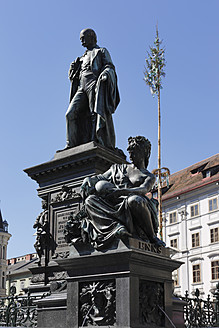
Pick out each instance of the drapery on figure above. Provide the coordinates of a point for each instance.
(116, 204)
(94, 95)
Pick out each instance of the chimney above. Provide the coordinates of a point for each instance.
(13, 261)
(28, 257)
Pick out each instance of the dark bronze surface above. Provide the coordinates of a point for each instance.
(94, 95)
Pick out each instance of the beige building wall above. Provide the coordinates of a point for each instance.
(18, 273)
(191, 226)
(4, 238)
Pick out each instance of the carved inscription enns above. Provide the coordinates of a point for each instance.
(149, 247)
(143, 246)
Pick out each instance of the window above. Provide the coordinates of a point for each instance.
(196, 273)
(212, 204)
(4, 253)
(194, 210)
(207, 173)
(214, 235)
(173, 243)
(22, 284)
(3, 280)
(210, 171)
(198, 169)
(215, 270)
(173, 217)
(5, 226)
(195, 240)
(175, 278)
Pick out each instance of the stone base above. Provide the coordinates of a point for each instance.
(124, 287)
(178, 312)
(67, 169)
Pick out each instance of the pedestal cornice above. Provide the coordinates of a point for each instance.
(70, 163)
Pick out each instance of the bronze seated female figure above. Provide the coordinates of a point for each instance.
(115, 202)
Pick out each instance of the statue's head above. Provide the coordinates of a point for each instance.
(88, 38)
(139, 148)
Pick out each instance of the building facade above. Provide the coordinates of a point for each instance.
(4, 238)
(18, 273)
(191, 226)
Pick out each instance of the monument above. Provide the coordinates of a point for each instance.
(94, 95)
(97, 235)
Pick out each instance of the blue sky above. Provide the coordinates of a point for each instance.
(39, 39)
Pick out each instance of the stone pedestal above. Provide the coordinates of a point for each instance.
(59, 183)
(178, 312)
(128, 286)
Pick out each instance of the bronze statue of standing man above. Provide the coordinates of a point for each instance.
(94, 95)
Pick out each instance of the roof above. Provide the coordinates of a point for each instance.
(21, 267)
(195, 176)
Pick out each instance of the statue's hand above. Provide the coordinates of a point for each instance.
(36, 223)
(72, 65)
(71, 70)
(116, 194)
(87, 186)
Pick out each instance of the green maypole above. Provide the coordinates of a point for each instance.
(154, 71)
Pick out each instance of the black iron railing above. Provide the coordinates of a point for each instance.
(19, 311)
(199, 312)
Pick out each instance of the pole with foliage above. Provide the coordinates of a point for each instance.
(154, 71)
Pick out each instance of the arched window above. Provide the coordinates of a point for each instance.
(3, 279)
(4, 253)
(0, 252)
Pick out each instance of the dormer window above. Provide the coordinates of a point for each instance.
(198, 169)
(207, 173)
